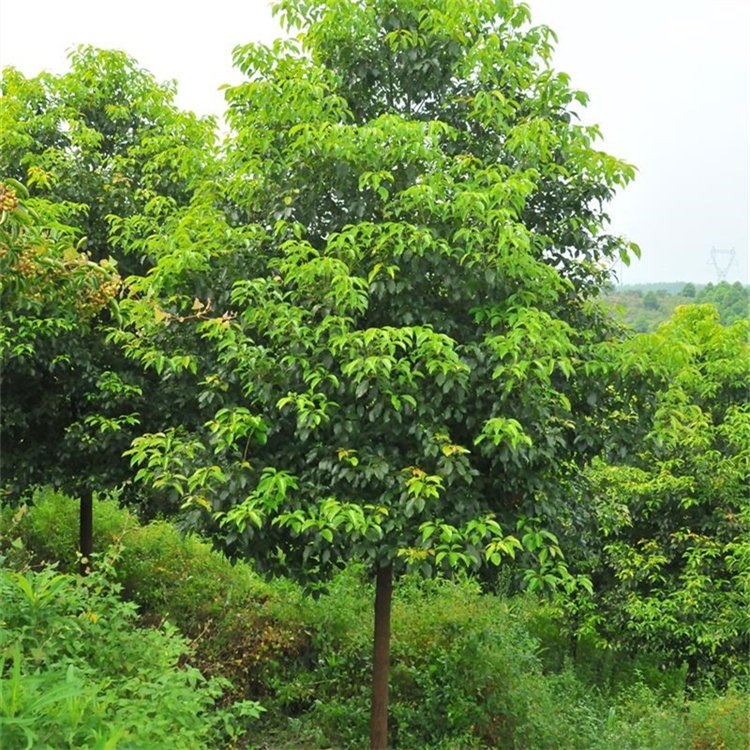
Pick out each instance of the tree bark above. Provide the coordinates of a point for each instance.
(381, 659)
(87, 531)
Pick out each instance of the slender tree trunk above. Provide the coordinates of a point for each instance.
(87, 531)
(381, 659)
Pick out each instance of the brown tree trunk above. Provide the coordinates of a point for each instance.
(87, 531)
(381, 659)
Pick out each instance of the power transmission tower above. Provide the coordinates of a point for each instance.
(722, 260)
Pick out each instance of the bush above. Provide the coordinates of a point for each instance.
(721, 721)
(465, 671)
(77, 672)
(470, 670)
(50, 530)
(238, 624)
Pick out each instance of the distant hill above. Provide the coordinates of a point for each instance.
(671, 287)
(644, 306)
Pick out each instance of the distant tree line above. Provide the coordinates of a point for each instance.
(645, 306)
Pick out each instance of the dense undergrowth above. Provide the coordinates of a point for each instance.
(80, 669)
(166, 622)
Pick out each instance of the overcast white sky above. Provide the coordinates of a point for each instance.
(668, 81)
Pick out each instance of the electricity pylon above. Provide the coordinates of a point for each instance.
(722, 260)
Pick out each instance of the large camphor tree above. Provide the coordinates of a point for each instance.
(387, 298)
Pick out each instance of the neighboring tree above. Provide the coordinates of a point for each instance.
(49, 292)
(669, 543)
(93, 146)
(394, 336)
(731, 300)
(107, 136)
(688, 291)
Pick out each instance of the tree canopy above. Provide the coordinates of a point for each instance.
(92, 147)
(394, 295)
(409, 224)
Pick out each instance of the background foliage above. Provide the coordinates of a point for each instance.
(644, 307)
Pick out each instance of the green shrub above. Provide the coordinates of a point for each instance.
(176, 576)
(51, 527)
(637, 718)
(465, 671)
(237, 623)
(469, 670)
(593, 661)
(720, 722)
(468, 673)
(77, 672)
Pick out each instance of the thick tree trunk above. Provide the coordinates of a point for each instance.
(87, 531)
(381, 659)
